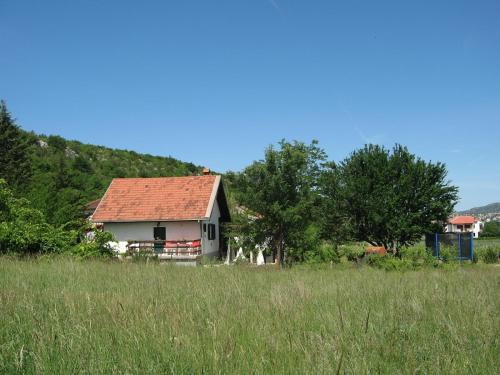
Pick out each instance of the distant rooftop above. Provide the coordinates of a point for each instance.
(460, 220)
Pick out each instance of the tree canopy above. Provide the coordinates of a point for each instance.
(391, 198)
(283, 191)
(15, 165)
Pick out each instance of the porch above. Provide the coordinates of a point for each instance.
(166, 250)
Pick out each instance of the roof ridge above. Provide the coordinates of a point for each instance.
(165, 177)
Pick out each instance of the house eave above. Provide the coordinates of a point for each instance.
(197, 219)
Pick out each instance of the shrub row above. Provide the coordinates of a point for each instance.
(487, 254)
(24, 231)
(413, 257)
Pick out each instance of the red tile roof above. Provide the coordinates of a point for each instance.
(460, 220)
(157, 199)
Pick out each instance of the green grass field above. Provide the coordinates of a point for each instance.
(65, 317)
(483, 242)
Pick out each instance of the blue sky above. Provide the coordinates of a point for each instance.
(215, 82)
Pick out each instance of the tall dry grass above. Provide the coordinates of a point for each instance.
(65, 317)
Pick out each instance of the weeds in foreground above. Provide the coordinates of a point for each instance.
(67, 316)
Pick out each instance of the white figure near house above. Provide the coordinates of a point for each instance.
(239, 255)
(260, 256)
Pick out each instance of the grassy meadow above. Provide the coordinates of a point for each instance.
(484, 242)
(62, 316)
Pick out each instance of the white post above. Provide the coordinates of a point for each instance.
(228, 255)
(260, 258)
(239, 255)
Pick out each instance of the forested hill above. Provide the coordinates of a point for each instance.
(488, 209)
(67, 174)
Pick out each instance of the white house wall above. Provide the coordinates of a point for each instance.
(474, 228)
(175, 230)
(478, 226)
(211, 247)
(143, 231)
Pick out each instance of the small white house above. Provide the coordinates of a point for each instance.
(464, 224)
(178, 218)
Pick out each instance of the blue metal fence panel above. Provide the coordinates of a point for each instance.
(462, 243)
(471, 246)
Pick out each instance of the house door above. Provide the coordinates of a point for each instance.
(160, 233)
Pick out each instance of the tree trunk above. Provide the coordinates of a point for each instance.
(279, 250)
(277, 260)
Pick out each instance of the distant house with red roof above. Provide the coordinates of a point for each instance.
(464, 224)
(176, 217)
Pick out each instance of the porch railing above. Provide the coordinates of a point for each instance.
(190, 248)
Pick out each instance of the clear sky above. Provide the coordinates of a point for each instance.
(215, 82)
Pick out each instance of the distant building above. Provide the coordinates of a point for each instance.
(464, 224)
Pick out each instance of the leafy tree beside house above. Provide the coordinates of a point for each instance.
(391, 198)
(283, 190)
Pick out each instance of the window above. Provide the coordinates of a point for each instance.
(204, 228)
(211, 231)
(159, 233)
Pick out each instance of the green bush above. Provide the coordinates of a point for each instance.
(306, 246)
(447, 253)
(326, 252)
(97, 248)
(389, 262)
(352, 252)
(23, 230)
(412, 257)
(39, 238)
(419, 255)
(487, 254)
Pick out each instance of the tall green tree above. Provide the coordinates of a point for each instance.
(15, 165)
(333, 223)
(283, 190)
(391, 198)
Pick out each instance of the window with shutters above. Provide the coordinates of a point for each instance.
(211, 231)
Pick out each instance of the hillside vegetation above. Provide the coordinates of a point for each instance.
(489, 208)
(68, 174)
